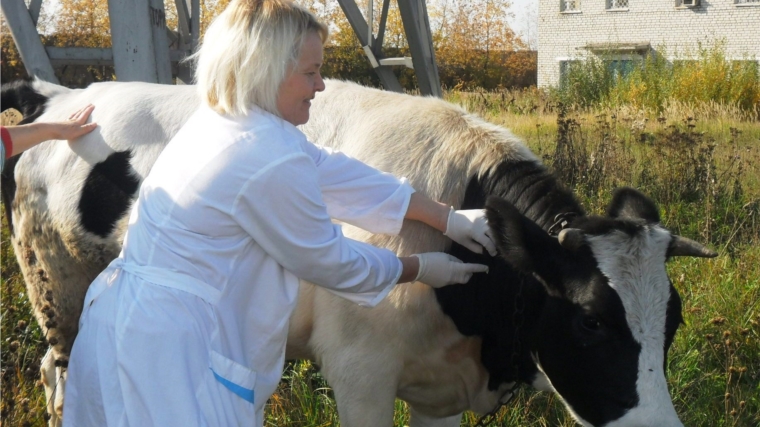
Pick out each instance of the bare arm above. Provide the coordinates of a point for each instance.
(27, 136)
(466, 227)
(426, 210)
(410, 268)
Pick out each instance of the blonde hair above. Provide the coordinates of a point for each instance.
(246, 53)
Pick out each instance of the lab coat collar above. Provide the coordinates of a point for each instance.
(257, 116)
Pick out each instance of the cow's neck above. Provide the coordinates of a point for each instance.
(529, 186)
(486, 305)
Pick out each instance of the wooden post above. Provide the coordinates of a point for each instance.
(79, 55)
(189, 27)
(132, 41)
(381, 25)
(361, 29)
(417, 28)
(183, 22)
(160, 42)
(34, 10)
(27, 40)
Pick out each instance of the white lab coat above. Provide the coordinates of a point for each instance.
(188, 326)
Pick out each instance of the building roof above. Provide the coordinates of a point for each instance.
(639, 47)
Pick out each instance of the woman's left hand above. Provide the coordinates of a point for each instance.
(470, 229)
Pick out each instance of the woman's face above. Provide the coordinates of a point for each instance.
(302, 82)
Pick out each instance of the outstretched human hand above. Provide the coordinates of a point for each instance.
(17, 139)
(75, 127)
(438, 269)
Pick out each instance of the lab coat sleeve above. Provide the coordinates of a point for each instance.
(359, 194)
(281, 207)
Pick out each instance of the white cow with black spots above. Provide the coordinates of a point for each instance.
(599, 310)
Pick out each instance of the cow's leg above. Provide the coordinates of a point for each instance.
(365, 408)
(417, 419)
(53, 388)
(365, 392)
(60, 391)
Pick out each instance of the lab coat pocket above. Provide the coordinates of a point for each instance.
(225, 397)
(233, 376)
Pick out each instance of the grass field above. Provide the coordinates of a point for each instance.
(700, 164)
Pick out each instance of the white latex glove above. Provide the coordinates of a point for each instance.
(470, 229)
(438, 269)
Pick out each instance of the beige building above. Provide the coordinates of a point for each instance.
(624, 31)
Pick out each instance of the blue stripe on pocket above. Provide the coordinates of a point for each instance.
(244, 393)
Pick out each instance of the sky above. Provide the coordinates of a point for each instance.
(525, 21)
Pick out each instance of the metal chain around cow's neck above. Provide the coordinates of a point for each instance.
(561, 221)
(518, 317)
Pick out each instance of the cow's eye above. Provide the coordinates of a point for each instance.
(591, 323)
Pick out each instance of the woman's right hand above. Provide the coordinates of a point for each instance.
(438, 269)
(75, 126)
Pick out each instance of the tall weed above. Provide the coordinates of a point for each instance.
(705, 76)
(700, 190)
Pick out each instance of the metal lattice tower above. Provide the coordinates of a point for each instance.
(140, 41)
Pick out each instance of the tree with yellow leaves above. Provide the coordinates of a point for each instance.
(473, 42)
(83, 23)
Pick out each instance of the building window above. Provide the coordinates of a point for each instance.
(570, 5)
(620, 68)
(564, 70)
(757, 2)
(617, 4)
(687, 3)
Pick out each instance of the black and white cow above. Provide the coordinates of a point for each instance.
(589, 313)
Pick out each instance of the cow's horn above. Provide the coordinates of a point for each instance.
(571, 238)
(681, 246)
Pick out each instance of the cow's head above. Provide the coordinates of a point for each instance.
(612, 311)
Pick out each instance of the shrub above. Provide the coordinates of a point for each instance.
(708, 76)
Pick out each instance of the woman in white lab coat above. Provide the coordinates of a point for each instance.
(188, 326)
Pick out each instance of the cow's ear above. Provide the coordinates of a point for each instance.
(628, 203)
(523, 244)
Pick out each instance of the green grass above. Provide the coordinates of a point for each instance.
(22, 347)
(700, 163)
(715, 365)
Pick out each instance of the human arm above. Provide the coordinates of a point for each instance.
(281, 208)
(22, 137)
(378, 202)
(437, 269)
(469, 227)
(410, 267)
(358, 194)
(424, 209)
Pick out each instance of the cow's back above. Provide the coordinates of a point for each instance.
(438, 151)
(70, 206)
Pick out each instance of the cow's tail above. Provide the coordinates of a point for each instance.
(29, 97)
